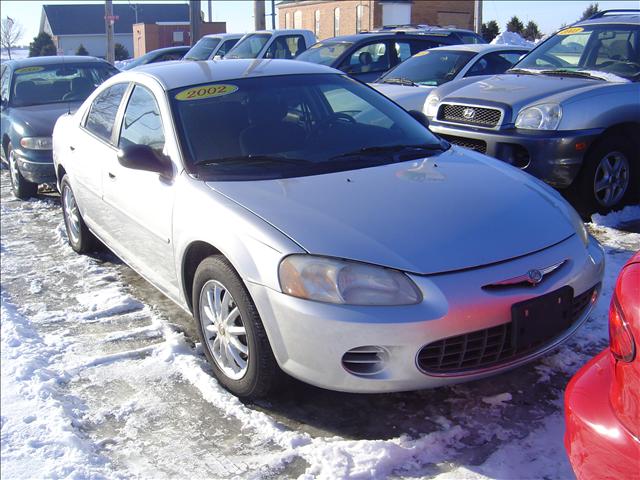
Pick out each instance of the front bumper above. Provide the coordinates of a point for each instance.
(555, 157)
(597, 444)
(310, 338)
(36, 166)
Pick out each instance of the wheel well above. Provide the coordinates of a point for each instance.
(630, 130)
(194, 255)
(61, 172)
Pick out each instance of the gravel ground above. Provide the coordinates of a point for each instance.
(101, 378)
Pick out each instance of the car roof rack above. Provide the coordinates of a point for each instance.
(604, 13)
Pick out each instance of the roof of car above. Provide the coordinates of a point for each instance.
(177, 48)
(52, 60)
(366, 36)
(177, 74)
(224, 35)
(481, 47)
(630, 19)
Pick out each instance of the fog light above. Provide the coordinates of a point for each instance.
(365, 361)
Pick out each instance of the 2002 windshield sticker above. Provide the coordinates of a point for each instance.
(206, 91)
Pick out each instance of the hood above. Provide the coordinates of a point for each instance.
(409, 98)
(38, 120)
(453, 211)
(513, 92)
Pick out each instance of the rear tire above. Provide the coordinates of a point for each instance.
(237, 349)
(22, 188)
(610, 176)
(79, 236)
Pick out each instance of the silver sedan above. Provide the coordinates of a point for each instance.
(313, 227)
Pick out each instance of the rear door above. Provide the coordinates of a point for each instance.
(140, 203)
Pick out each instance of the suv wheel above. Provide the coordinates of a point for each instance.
(609, 178)
(231, 332)
(22, 189)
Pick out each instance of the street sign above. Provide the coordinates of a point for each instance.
(112, 18)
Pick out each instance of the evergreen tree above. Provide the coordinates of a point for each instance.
(42, 46)
(531, 32)
(490, 30)
(121, 53)
(590, 11)
(81, 50)
(515, 25)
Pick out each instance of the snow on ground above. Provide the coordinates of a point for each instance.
(101, 379)
(511, 38)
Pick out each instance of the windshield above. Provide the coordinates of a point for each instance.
(250, 46)
(295, 125)
(324, 53)
(611, 49)
(203, 49)
(57, 83)
(430, 67)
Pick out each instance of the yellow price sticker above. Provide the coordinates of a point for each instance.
(206, 91)
(29, 69)
(422, 53)
(571, 31)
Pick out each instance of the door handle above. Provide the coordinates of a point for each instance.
(112, 176)
(72, 148)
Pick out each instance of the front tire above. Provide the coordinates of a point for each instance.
(231, 332)
(22, 188)
(609, 179)
(79, 236)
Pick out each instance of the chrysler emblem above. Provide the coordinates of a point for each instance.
(468, 113)
(534, 276)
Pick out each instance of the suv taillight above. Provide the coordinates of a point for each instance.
(621, 340)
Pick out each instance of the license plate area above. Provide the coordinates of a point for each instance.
(541, 318)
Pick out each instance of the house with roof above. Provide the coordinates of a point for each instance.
(74, 24)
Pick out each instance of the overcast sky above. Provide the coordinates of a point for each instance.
(238, 14)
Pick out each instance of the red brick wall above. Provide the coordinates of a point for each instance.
(458, 13)
(149, 36)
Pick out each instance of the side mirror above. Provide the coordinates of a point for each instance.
(420, 117)
(143, 157)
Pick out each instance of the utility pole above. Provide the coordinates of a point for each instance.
(258, 14)
(273, 14)
(209, 10)
(194, 19)
(108, 25)
(478, 17)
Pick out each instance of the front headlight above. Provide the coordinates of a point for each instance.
(352, 283)
(545, 116)
(431, 105)
(36, 143)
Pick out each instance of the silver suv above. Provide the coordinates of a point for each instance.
(568, 112)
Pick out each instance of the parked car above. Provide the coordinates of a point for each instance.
(283, 44)
(213, 46)
(602, 401)
(568, 112)
(464, 35)
(155, 56)
(336, 242)
(366, 56)
(34, 93)
(409, 83)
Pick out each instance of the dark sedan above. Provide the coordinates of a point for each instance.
(155, 56)
(35, 92)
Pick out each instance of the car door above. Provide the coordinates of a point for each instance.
(368, 62)
(91, 150)
(141, 202)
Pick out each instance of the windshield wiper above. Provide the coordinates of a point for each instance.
(400, 81)
(562, 72)
(386, 149)
(251, 160)
(525, 71)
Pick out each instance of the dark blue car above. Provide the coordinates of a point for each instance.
(34, 93)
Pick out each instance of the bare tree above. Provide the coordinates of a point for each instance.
(10, 32)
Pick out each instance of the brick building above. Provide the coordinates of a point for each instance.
(330, 18)
(148, 37)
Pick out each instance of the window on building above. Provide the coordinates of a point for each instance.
(359, 10)
(297, 19)
(287, 20)
(336, 22)
(316, 28)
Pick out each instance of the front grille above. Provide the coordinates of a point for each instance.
(468, 115)
(470, 143)
(485, 348)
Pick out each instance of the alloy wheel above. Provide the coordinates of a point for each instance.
(224, 330)
(611, 179)
(72, 215)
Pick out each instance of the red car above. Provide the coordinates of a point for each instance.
(602, 401)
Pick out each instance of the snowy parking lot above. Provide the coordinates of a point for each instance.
(101, 379)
